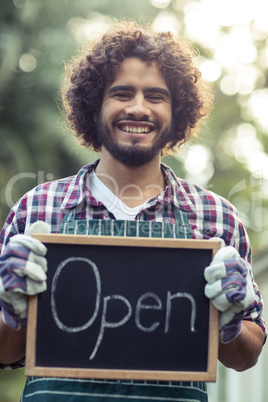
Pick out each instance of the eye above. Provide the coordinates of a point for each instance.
(156, 98)
(122, 95)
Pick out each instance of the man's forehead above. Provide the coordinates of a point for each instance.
(133, 71)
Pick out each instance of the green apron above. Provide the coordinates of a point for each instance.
(81, 390)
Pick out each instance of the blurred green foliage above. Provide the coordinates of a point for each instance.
(33, 136)
(11, 385)
(35, 145)
(36, 38)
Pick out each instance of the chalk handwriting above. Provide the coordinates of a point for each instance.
(141, 306)
(62, 265)
(106, 324)
(147, 301)
(193, 314)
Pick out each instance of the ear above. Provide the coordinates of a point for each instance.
(95, 117)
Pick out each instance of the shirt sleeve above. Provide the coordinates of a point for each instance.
(220, 218)
(15, 224)
(254, 312)
(11, 227)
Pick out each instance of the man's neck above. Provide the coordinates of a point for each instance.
(132, 185)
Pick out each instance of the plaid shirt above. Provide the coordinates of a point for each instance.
(209, 215)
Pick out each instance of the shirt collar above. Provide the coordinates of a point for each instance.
(176, 191)
(77, 191)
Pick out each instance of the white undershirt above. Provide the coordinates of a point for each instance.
(116, 206)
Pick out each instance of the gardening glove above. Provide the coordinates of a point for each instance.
(230, 288)
(22, 272)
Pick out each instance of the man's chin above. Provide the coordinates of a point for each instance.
(133, 155)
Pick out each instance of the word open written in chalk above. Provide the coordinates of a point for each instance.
(102, 305)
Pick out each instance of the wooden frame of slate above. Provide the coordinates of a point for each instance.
(124, 308)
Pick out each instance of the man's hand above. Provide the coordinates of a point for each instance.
(22, 272)
(231, 290)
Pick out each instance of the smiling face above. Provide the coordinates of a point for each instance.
(135, 119)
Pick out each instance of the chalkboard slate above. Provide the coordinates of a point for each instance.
(124, 308)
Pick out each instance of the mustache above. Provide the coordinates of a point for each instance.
(143, 119)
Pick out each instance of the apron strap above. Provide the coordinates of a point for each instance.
(99, 227)
(68, 221)
(182, 220)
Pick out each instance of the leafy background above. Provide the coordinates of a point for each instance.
(230, 156)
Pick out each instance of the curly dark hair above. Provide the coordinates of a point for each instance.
(98, 61)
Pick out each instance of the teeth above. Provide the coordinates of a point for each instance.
(139, 130)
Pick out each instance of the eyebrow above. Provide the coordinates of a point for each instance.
(131, 88)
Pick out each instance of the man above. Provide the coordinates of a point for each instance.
(132, 95)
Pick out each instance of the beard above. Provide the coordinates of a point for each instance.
(133, 155)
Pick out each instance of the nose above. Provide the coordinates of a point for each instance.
(138, 107)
